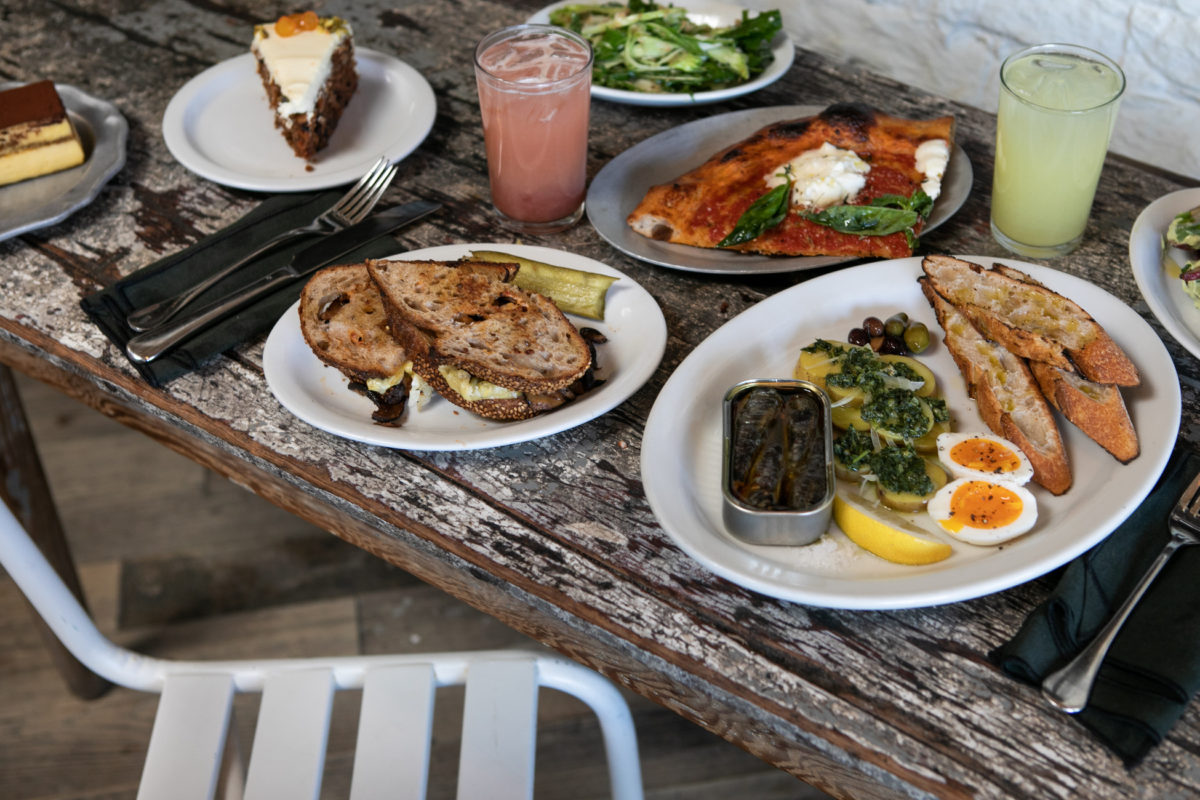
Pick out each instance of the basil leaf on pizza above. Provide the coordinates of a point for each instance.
(850, 181)
(885, 215)
(766, 212)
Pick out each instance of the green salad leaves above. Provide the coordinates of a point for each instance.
(644, 47)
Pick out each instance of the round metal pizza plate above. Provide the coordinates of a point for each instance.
(622, 183)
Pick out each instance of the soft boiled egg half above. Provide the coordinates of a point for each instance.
(984, 457)
(983, 511)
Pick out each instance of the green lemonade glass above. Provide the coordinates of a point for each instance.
(1058, 103)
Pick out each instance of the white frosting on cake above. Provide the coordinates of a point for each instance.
(299, 64)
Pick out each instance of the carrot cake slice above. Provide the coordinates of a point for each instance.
(306, 64)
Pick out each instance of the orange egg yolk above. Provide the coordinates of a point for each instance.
(980, 504)
(985, 455)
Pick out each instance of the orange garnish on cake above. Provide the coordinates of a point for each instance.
(291, 24)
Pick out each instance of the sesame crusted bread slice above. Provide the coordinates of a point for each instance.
(1004, 390)
(1029, 319)
(483, 343)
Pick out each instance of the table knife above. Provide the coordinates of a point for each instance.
(147, 346)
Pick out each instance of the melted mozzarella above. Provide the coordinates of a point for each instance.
(932, 158)
(822, 177)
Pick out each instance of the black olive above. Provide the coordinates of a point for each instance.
(873, 326)
(891, 346)
(858, 336)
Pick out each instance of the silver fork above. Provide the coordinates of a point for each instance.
(1069, 687)
(352, 208)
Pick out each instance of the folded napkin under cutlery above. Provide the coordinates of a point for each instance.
(174, 273)
(1153, 668)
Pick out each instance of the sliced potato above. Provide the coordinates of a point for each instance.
(908, 501)
(848, 395)
(816, 365)
(844, 417)
(890, 436)
(930, 385)
(928, 443)
(575, 291)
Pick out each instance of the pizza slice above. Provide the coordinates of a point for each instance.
(850, 181)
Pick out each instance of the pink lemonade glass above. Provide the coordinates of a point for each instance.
(534, 95)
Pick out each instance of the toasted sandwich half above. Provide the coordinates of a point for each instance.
(481, 342)
(344, 321)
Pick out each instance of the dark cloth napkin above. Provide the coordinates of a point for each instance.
(1153, 668)
(175, 273)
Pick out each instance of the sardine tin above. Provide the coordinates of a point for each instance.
(787, 526)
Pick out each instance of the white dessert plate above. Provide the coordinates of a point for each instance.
(317, 394)
(682, 447)
(709, 12)
(1173, 309)
(220, 127)
(48, 200)
(622, 183)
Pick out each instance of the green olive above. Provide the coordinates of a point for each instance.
(895, 325)
(916, 337)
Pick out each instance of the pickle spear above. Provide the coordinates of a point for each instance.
(572, 290)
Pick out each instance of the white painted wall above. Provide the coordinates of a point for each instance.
(955, 47)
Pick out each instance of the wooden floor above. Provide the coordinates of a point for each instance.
(182, 563)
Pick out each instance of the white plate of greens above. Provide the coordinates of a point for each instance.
(706, 72)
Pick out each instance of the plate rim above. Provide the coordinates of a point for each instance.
(175, 137)
(633, 376)
(1146, 235)
(902, 587)
(784, 50)
(609, 220)
(111, 131)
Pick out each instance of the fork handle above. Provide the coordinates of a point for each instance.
(155, 314)
(1069, 687)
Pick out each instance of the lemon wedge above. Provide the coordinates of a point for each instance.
(888, 535)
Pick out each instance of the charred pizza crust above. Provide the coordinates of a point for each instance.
(701, 207)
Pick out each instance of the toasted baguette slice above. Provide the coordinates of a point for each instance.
(1097, 409)
(344, 321)
(1029, 319)
(453, 321)
(1005, 393)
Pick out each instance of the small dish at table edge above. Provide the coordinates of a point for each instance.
(1171, 307)
(50, 199)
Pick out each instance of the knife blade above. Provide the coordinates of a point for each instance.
(149, 345)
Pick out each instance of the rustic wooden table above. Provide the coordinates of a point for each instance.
(555, 536)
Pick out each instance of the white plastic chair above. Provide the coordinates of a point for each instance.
(188, 744)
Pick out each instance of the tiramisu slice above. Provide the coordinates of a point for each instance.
(36, 135)
(306, 64)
